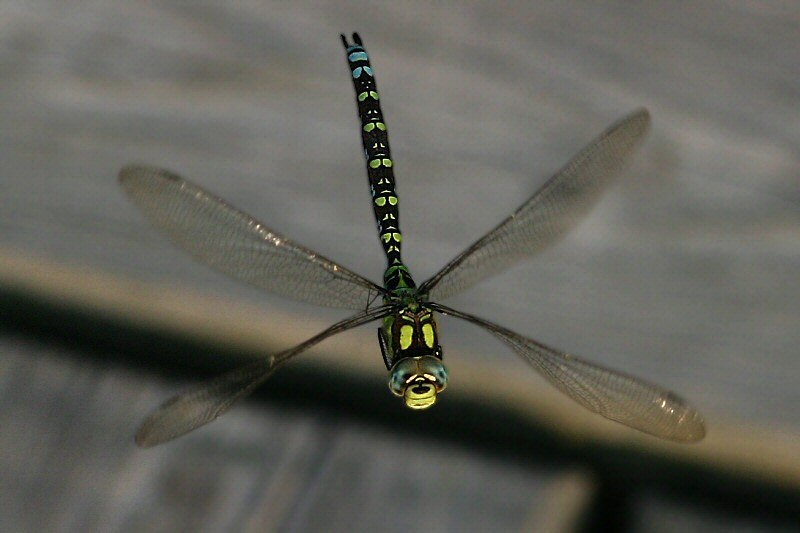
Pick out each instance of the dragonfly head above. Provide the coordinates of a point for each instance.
(418, 380)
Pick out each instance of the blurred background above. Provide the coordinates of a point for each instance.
(686, 274)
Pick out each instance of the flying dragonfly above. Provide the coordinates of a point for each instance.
(235, 243)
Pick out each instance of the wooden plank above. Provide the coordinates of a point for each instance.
(685, 275)
(69, 463)
(730, 446)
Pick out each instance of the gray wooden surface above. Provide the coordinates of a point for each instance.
(686, 274)
(68, 463)
(653, 514)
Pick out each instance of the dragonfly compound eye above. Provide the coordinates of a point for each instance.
(434, 371)
(403, 373)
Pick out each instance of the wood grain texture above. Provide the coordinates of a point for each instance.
(69, 464)
(114, 320)
(686, 274)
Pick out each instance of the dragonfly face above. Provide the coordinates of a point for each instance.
(409, 342)
(418, 380)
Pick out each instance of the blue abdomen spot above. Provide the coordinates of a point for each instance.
(362, 70)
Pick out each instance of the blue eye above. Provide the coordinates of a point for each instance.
(435, 370)
(402, 372)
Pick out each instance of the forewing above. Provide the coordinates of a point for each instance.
(238, 245)
(612, 394)
(550, 213)
(203, 403)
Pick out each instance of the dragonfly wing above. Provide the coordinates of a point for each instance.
(238, 245)
(612, 394)
(550, 213)
(203, 403)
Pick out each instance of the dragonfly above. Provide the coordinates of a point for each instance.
(237, 244)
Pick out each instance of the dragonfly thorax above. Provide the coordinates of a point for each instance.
(397, 279)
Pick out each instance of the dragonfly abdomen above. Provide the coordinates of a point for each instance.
(375, 139)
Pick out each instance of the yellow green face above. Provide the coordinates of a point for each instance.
(418, 380)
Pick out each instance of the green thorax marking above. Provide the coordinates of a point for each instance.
(412, 332)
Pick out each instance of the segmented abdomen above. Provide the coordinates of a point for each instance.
(375, 139)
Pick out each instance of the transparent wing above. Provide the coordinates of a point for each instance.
(614, 395)
(240, 246)
(203, 403)
(554, 209)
